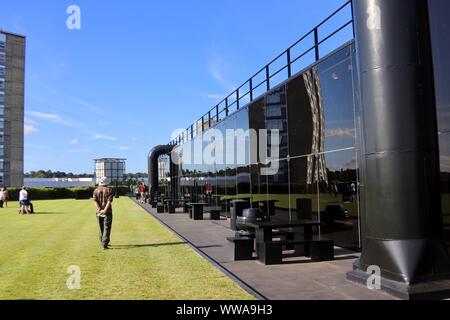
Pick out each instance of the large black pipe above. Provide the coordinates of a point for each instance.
(153, 173)
(401, 219)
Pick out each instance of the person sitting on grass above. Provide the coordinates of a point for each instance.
(103, 198)
(23, 200)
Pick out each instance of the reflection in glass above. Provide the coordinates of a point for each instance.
(337, 93)
(440, 38)
(338, 199)
(444, 144)
(304, 189)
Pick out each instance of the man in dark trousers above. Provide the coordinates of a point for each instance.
(103, 198)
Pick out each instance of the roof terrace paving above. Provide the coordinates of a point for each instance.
(295, 279)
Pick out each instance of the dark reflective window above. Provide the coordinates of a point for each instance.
(336, 93)
(299, 118)
(243, 177)
(440, 36)
(276, 119)
(313, 177)
(304, 187)
(440, 33)
(338, 197)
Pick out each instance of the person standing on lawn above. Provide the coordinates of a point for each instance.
(103, 198)
(23, 200)
(1, 197)
(5, 197)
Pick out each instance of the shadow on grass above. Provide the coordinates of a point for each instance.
(137, 246)
(46, 213)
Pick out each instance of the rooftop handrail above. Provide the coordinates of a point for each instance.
(237, 95)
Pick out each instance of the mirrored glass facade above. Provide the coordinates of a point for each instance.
(440, 36)
(313, 114)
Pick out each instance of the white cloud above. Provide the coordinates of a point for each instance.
(100, 136)
(29, 129)
(29, 126)
(74, 141)
(49, 117)
(215, 67)
(340, 133)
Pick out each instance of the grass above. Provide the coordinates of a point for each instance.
(146, 260)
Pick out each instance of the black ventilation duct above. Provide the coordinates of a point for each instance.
(153, 173)
(401, 222)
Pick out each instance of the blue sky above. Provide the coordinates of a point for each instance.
(139, 69)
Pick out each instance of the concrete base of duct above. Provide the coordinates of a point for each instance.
(431, 289)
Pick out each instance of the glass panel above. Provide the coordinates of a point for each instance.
(243, 154)
(304, 188)
(444, 143)
(300, 119)
(278, 190)
(335, 92)
(339, 198)
(259, 183)
(221, 170)
(440, 34)
(276, 119)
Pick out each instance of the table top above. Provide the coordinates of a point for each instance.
(283, 224)
(197, 203)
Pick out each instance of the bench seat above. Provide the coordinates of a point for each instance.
(241, 248)
(318, 248)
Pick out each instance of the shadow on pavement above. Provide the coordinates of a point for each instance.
(152, 245)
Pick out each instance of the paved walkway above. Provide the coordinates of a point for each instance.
(295, 279)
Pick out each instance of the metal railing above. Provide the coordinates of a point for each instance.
(246, 92)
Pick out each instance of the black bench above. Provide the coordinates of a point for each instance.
(160, 208)
(214, 212)
(241, 248)
(319, 249)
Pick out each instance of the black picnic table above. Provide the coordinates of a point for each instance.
(302, 230)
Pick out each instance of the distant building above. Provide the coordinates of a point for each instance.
(112, 168)
(59, 182)
(12, 78)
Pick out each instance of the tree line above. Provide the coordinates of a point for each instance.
(62, 174)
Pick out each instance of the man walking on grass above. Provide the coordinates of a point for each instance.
(103, 198)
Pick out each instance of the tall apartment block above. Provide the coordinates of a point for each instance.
(12, 78)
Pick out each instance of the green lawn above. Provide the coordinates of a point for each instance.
(146, 260)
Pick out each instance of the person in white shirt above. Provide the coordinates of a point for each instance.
(23, 199)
